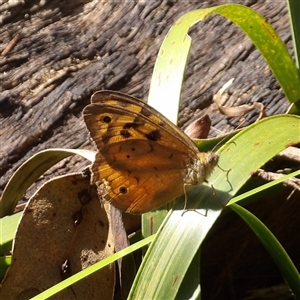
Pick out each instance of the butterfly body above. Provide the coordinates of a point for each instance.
(143, 160)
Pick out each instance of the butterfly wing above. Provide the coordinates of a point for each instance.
(135, 105)
(142, 157)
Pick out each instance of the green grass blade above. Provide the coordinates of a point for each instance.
(263, 187)
(170, 65)
(166, 83)
(8, 226)
(5, 262)
(279, 255)
(190, 287)
(268, 42)
(294, 9)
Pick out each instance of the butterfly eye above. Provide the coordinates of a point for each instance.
(123, 190)
(106, 119)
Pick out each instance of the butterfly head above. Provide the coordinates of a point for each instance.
(212, 159)
(201, 168)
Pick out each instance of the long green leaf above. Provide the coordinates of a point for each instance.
(170, 65)
(171, 62)
(294, 8)
(181, 235)
(263, 187)
(166, 87)
(8, 226)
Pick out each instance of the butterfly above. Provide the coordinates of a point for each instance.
(143, 160)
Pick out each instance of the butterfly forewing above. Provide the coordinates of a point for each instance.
(134, 105)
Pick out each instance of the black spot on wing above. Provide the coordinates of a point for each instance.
(153, 135)
(146, 112)
(125, 133)
(106, 119)
(123, 190)
(131, 125)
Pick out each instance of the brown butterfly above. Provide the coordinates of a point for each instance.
(143, 160)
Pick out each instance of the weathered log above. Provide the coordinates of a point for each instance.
(65, 52)
(62, 52)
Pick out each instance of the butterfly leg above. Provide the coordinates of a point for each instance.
(214, 192)
(184, 210)
(227, 172)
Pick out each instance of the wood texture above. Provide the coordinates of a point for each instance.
(66, 51)
(55, 54)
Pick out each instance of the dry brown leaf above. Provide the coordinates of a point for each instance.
(64, 222)
(237, 111)
(199, 129)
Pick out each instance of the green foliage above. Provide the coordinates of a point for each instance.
(181, 234)
(170, 255)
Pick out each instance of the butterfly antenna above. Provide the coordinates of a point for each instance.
(224, 138)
